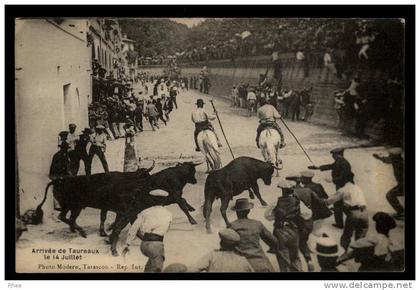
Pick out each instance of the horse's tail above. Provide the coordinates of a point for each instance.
(269, 144)
(211, 149)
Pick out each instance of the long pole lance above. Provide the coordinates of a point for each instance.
(221, 127)
(290, 131)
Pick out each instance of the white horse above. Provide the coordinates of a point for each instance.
(270, 144)
(207, 142)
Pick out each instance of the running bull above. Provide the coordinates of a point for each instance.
(239, 175)
(127, 194)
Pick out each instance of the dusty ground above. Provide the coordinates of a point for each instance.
(186, 243)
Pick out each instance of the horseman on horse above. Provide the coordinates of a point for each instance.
(268, 115)
(202, 122)
(270, 139)
(207, 142)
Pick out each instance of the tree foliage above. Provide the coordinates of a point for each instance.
(155, 36)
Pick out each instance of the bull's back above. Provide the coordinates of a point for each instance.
(244, 163)
(236, 177)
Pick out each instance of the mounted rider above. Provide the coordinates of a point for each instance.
(268, 114)
(202, 122)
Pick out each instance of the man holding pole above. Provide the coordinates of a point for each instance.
(202, 122)
(267, 114)
(341, 174)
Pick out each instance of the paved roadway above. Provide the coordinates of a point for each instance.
(186, 243)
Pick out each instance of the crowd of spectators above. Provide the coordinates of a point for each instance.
(120, 109)
(339, 45)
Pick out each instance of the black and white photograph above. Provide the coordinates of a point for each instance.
(210, 144)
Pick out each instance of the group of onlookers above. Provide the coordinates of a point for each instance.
(292, 104)
(299, 228)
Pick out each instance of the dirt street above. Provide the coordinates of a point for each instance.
(186, 243)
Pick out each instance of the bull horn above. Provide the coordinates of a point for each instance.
(151, 167)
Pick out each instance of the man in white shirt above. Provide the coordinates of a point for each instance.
(251, 99)
(150, 226)
(202, 122)
(268, 114)
(328, 61)
(355, 209)
(98, 147)
(72, 139)
(162, 89)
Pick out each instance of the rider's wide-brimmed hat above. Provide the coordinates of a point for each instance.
(200, 101)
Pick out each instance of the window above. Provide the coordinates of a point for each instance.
(67, 105)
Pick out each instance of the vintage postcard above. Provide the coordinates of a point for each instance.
(217, 145)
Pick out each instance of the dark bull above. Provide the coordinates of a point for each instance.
(127, 194)
(239, 175)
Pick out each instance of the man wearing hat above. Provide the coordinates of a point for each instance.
(319, 209)
(60, 164)
(395, 158)
(252, 100)
(251, 231)
(225, 259)
(202, 122)
(285, 214)
(80, 153)
(384, 223)
(296, 178)
(62, 138)
(327, 252)
(72, 137)
(304, 220)
(98, 147)
(341, 173)
(267, 115)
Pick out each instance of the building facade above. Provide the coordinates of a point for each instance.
(57, 64)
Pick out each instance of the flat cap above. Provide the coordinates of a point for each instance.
(337, 150)
(293, 176)
(72, 125)
(285, 184)
(229, 235)
(100, 127)
(362, 243)
(307, 173)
